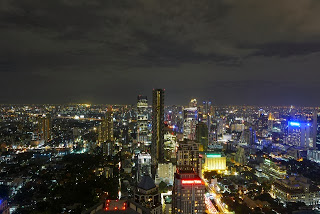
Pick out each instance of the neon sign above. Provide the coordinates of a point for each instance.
(191, 181)
(294, 124)
(214, 156)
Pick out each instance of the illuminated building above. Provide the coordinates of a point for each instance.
(170, 144)
(248, 136)
(44, 127)
(165, 173)
(188, 156)
(236, 127)
(147, 195)
(296, 189)
(314, 128)
(214, 162)
(144, 165)
(273, 170)
(240, 157)
(314, 155)
(190, 119)
(299, 134)
(142, 119)
(105, 137)
(157, 147)
(270, 121)
(188, 194)
(207, 114)
(202, 135)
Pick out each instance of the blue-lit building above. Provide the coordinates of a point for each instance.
(299, 134)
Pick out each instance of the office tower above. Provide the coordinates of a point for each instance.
(270, 121)
(207, 110)
(188, 194)
(144, 165)
(157, 145)
(314, 128)
(105, 137)
(44, 127)
(142, 119)
(165, 173)
(299, 134)
(147, 195)
(248, 136)
(188, 156)
(202, 136)
(190, 120)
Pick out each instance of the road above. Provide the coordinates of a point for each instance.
(217, 198)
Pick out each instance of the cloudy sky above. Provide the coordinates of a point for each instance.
(109, 51)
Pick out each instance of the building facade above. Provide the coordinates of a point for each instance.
(188, 193)
(157, 145)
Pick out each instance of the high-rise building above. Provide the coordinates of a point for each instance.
(144, 165)
(248, 136)
(142, 119)
(157, 144)
(207, 110)
(188, 156)
(188, 195)
(190, 120)
(105, 137)
(314, 128)
(299, 134)
(45, 127)
(202, 136)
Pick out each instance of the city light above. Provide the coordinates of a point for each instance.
(295, 124)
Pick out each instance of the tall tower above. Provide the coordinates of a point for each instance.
(190, 119)
(45, 127)
(207, 113)
(157, 145)
(314, 128)
(106, 132)
(142, 119)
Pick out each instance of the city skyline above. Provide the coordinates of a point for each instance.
(261, 53)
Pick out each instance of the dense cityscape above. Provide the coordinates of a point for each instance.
(159, 107)
(150, 157)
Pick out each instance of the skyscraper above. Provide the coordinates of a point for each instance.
(207, 113)
(188, 156)
(142, 119)
(190, 119)
(44, 127)
(299, 134)
(157, 145)
(314, 128)
(106, 132)
(188, 193)
(202, 135)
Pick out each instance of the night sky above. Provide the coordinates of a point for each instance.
(109, 51)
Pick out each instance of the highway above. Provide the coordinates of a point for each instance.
(217, 198)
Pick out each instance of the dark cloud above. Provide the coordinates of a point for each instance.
(78, 50)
